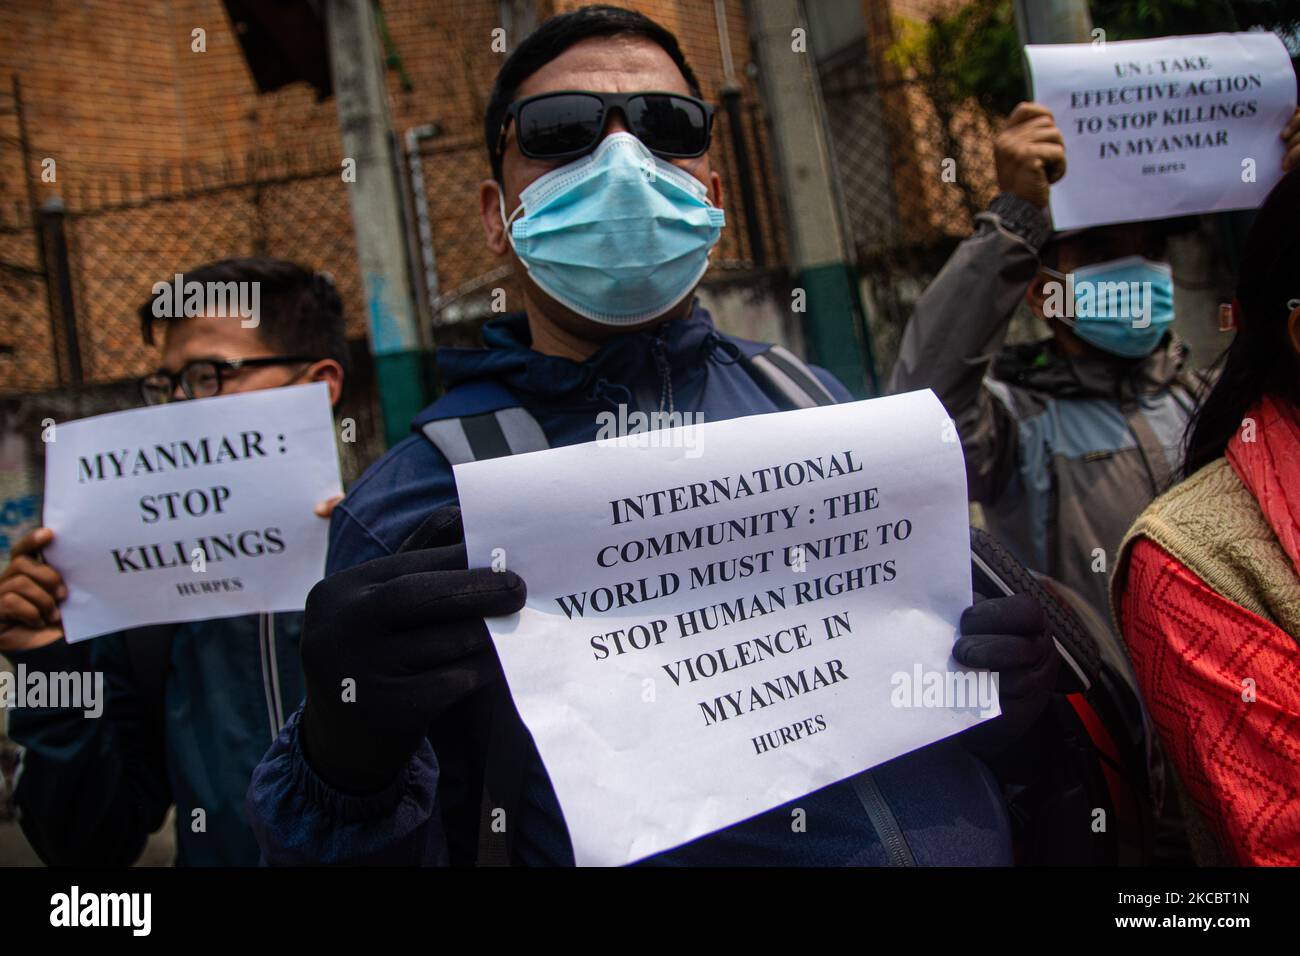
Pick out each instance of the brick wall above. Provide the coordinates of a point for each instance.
(928, 131)
(139, 125)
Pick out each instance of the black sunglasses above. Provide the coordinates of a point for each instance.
(567, 124)
(202, 378)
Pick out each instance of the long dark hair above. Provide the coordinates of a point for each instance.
(1261, 359)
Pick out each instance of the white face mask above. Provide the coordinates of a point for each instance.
(619, 236)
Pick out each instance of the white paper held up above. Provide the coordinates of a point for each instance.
(721, 622)
(190, 510)
(1168, 127)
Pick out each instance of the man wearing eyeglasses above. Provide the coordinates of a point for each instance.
(603, 195)
(190, 707)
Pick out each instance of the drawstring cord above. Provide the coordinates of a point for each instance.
(714, 348)
(665, 372)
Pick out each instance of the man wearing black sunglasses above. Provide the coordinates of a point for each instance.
(603, 195)
(190, 708)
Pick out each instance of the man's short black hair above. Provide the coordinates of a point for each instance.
(552, 38)
(300, 309)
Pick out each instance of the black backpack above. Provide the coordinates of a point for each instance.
(1086, 785)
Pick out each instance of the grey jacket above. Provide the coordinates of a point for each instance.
(1062, 453)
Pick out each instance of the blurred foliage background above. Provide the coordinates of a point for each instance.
(974, 51)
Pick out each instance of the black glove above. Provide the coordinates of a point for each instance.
(1008, 635)
(408, 631)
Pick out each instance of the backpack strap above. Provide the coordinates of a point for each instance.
(1152, 452)
(503, 778)
(888, 831)
(506, 431)
(478, 437)
(786, 379)
(1196, 385)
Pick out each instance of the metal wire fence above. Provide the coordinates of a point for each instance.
(74, 272)
(72, 277)
(914, 169)
(122, 234)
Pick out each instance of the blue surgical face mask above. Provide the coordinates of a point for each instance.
(618, 236)
(1122, 306)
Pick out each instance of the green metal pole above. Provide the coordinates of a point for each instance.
(371, 170)
(833, 325)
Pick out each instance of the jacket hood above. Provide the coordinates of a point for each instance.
(1040, 366)
(510, 359)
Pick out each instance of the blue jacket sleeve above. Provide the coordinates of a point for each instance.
(388, 502)
(91, 788)
(299, 819)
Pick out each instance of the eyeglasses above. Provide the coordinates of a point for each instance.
(567, 124)
(203, 378)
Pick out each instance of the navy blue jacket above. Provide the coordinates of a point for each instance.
(943, 798)
(90, 791)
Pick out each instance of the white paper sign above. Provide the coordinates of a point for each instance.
(191, 510)
(721, 622)
(1161, 128)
